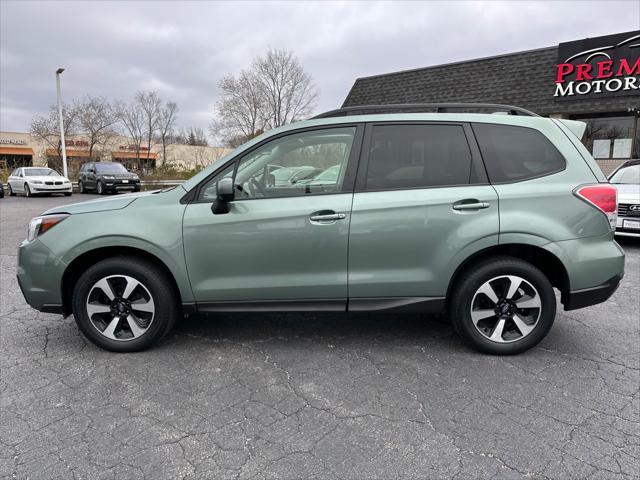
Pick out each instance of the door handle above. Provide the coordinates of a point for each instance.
(471, 206)
(327, 216)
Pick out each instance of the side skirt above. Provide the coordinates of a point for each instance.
(387, 304)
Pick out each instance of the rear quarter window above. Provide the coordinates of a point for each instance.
(513, 154)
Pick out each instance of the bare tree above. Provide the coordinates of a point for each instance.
(242, 107)
(132, 119)
(274, 91)
(47, 127)
(289, 92)
(150, 105)
(96, 118)
(166, 123)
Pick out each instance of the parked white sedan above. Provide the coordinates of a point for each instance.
(37, 180)
(627, 181)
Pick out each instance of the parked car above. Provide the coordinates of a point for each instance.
(478, 215)
(106, 177)
(286, 176)
(1, 190)
(627, 181)
(38, 180)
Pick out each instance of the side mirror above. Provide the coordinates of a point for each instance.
(224, 195)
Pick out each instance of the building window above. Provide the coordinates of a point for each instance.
(610, 137)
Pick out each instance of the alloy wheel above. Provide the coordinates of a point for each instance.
(27, 190)
(120, 307)
(506, 309)
(99, 188)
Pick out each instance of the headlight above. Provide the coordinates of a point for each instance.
(108, 177)
(36, 182)
(39, 225)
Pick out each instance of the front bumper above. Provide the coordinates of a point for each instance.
(122, 186)
(39, 274)
(51, 188)
(587, 297)
(628, 225)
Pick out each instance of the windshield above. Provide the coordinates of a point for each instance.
(40, 172)
(627, 175)
(110, 168)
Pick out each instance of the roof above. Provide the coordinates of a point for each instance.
(525, 79)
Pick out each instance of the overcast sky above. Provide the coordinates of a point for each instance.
(182, 49)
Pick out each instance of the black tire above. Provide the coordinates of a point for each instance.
(27, 190)
(474, 278)
(81, 188)
(153, 278)
(11, 192)
(100, 188)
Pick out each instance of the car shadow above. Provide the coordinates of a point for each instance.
(345, 328)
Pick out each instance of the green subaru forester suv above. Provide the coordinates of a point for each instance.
(480, 215)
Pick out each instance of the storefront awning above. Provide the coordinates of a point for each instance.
(15, 151)
(52, 152)
(133, 155)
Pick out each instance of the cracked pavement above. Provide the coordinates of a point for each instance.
(316, 395)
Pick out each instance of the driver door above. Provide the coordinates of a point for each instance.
(281, 246)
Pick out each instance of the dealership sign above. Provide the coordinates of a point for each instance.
(604, 66)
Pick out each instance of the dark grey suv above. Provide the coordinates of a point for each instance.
(103, 177)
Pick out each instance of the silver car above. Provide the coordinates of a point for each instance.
(627, 181)
(37, 180)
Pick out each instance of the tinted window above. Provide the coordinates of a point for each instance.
(516, 153)
(410, 156)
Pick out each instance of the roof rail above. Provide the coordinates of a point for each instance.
(424, 107)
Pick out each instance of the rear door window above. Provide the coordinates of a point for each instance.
(513, 154)
(414, 156)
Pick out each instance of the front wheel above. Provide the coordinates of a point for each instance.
(27, 190)
(100, 188)
(503, 306)
(124, 304)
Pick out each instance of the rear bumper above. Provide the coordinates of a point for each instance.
(591, 296)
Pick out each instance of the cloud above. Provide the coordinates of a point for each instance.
(182, 49)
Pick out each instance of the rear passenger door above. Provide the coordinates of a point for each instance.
(422, 205)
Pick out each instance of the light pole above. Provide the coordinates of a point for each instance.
(62, 144)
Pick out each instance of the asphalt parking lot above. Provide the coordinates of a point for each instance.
(315, 396)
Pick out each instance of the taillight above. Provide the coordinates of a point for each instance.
(602, 196)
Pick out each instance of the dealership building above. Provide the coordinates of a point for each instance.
(595, 80)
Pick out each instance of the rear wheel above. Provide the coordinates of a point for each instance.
(81, 188)
(124, 304)
(503, 306)
(11, 192)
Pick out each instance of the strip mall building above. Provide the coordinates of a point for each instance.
(18, 149)
(595, 80)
